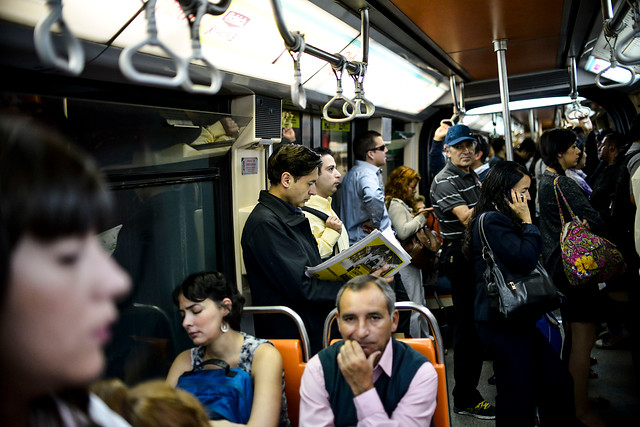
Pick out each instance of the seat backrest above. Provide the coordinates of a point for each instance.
(292, 362)
(425, 347)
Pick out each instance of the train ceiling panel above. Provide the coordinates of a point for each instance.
(465, 31)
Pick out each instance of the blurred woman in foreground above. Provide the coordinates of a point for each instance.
(57, 285)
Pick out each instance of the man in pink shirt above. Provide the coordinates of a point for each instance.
(369, 378)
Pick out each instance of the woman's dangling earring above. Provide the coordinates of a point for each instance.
(224, 326)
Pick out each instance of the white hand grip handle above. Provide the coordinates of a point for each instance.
(614, 85)
(214, 75)
(339, 97)
(44, 44)
(127, 68)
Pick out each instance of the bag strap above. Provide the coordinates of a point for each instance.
(323, 216)
(487, 253)
(556, 189)
(220, 363)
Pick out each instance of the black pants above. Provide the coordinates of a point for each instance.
(529, 374)
(468, 350)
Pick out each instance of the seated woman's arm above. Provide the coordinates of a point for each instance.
(180, 365)
(266, 372)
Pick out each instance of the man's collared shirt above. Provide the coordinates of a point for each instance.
(415, 409)
(326, 237)
(363, 200)
(451, 188)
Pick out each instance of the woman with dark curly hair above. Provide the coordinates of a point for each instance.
(211, 308)
(528, 370)
(400, 191)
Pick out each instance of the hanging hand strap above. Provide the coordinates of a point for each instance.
(339, 97)
(42, 37)
(214, 73)
(298, 94)
(126, 56)
(359, 100)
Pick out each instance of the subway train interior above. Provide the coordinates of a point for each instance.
(182, 101)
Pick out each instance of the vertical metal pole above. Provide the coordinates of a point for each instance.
(364, 31)
(500, 46)
(532, 125)
(573, 77)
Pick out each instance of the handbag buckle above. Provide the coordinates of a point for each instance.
(512, 285)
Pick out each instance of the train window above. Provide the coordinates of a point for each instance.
(164, 232)
(169, 172)
(336, 136)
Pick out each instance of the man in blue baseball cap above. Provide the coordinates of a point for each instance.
(454, 193)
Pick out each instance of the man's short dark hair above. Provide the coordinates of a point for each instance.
(296, 159)
(482, 146)
(363, 143)
(527, 145)
(497, 144)
(322, 151)
(359, 283)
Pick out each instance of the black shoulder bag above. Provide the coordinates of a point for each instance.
(523, 297)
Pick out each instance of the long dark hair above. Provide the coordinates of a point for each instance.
(496, 187)
(48, 189)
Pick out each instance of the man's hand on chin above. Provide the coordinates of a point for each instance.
(356, 367)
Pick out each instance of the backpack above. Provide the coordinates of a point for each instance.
(226, 394)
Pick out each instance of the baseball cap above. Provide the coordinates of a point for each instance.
(458, 133)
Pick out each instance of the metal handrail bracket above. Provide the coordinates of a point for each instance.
(42, 35)
(281, 309)
(126, 57)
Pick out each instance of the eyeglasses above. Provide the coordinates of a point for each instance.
(380, 148)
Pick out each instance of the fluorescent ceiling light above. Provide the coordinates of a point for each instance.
(525, 104)
(616, 74)
(245, 41)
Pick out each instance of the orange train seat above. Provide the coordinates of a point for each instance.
(293, 364)
(294, 352)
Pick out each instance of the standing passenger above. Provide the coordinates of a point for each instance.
(454, 193)
(369, 379)
(528, 370)
(362, 206)
(330, 234)
(582, 308)
(401, 190)
(277, 245)
(57, 285)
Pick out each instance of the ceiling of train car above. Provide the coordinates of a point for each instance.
(465, 31)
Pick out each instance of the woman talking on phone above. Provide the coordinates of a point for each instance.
(528, 371)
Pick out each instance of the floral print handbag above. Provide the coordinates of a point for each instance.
(586, 257)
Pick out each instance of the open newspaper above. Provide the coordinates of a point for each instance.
(364, 257)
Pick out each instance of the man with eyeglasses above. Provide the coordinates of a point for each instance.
(454, 193)
(362, 206)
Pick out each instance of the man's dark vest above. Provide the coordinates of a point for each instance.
(406, 362)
